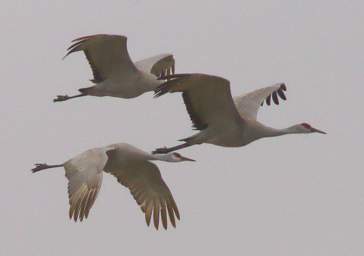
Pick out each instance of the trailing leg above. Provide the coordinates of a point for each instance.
(39, 167)
(66, 97)
(167, 150)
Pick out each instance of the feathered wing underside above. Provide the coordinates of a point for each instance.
(161, 65)
(84, 174)
(248, 104)
(145, 183)
(207, 98)
(106, 54)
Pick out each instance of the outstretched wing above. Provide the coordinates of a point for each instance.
(145, 183)
(160, 65)
(107, 54)
(207, 98)
(248, 104)
(84, 174)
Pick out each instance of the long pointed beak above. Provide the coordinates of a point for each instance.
(318, 131)
(187, 159)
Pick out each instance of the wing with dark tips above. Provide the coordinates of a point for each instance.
(248, 104)
(161, 65)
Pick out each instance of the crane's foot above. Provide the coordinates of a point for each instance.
(61, 98)
(163, 150)
(38, 167)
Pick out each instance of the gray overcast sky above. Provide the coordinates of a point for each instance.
(293, 195)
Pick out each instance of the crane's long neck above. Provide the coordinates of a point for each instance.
(262, 131)
(273, 132)
(161, 157)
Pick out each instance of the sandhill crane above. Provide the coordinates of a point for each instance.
(222, 120)
(114, 73)
(132, 167)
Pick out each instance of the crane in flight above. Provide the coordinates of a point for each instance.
(114, 73)
(220, 119)
(132, 167)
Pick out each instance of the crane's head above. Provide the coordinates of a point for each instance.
(176, 157)
(306, 128)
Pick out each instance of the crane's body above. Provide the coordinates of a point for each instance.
(235, 135)
(123, 86)
(222, 120)
(115, 74)
(132, 167)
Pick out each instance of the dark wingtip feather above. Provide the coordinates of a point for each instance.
(274, 95)
(73, 48)
(156, 214)
(281, 94)
(173, 69)
(82, 38)
(283, 87)
(268, 100)
(275, 98)
(164, 216)
(171, 215)
(74, 45)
